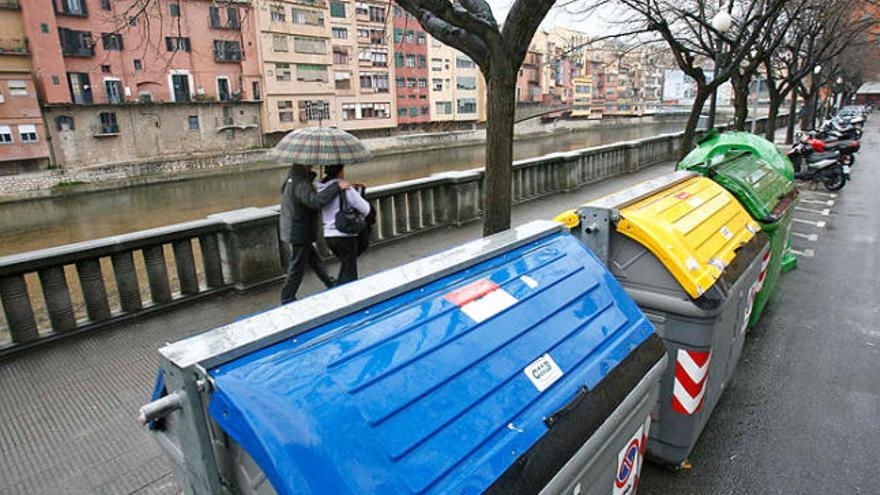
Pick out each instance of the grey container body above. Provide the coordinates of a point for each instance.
(686, 326)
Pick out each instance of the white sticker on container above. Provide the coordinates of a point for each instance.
(726, 233)
(543, 372)
(695, 202)
(532, 283)
(692, 264)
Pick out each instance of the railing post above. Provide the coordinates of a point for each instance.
(186, 267)
(94, 292)
(17, 308)
(126, 282)
(250, 247)
(56, 293)
(211, 260)
(463, 197)
(631, 157)
(157, 274)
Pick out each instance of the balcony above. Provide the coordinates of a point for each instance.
(10, 4)
(13, 47)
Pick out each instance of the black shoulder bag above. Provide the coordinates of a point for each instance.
(349, 220)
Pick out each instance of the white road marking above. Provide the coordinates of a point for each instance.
(825, 212)
(820, 224)
(806, 253)
(829, 202)
(809, 237)
(830, 195)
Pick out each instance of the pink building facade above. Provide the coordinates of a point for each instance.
(101, 51)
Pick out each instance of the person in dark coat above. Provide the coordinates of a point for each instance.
(298, 226)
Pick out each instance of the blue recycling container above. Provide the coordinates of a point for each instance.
(514, 364)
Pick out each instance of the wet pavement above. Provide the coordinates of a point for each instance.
(799, 416)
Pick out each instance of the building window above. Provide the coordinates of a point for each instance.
(401, 82)
(303, 44)
(255, 89)
(414, 112)
(410, 82)
(282, 72)
(398, 59)
(285, 111)
(5, 134)
(424, 110)
(376, 81)
(337, 9)
(232, 20)
(374, 57)
(401, 112)
(111, 41)
(177, 44)
(464, 63)
(313, 110)
(113, 90)
(64, 123)
(224, 92)
(193, 122)
(105, 68)
(279, 42)
(174, 9)
(227, 51)
(343, 80)
(467, 105)
(307, 17)
(420, 38)
(56, 80)
(398, 35)
(340, 56)
(44, 27)
(444, 107)
(361, 9)
(410, 61)
(436, 64)
(437, 84)
(311, 73)
(80, 88)
(105, 4)
(409, 36)
(138, 65)
(71, 7)
(76, 43)
(423, 83)
(28, 133)
(340, 33)
(358, 111)
(18, 88)
(377, 14)
(423, 62)
(108, 123)
(466, 83)
(277, 13)
(145, 97)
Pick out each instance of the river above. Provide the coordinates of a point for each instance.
(30, 225)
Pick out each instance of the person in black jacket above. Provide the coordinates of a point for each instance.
(298, 225)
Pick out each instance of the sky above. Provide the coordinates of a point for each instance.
(594, 24)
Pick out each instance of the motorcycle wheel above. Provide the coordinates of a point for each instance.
(834, 180)
(858, 134)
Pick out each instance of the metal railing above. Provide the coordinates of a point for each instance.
(124, 277)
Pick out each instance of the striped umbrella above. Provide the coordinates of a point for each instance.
(320, 146)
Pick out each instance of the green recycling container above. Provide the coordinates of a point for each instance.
(769, 197)
(714, 144)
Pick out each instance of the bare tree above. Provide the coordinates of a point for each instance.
(470, 27)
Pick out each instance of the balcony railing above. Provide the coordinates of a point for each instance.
(10, 4)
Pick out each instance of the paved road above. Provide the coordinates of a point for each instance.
(798, 418)
(801, 415)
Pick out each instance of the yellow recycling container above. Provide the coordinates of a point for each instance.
(688, 253)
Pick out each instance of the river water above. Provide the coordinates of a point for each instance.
(30, 225)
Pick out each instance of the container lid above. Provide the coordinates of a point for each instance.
(694, 228)
(756, 184)
(715, 144)
(440, 389)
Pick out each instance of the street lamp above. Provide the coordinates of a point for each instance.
(722, 23)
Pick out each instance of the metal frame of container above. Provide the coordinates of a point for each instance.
(200, 453)
(704, 333)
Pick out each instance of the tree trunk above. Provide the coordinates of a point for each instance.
(772, 114)
(792, 117)
(501, 98)
(740, 102)
(690, 130)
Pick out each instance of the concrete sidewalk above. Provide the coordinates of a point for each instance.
(67, 414)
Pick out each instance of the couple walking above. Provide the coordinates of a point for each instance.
(304, 209)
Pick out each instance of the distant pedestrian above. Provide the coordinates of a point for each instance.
(343, 244)
(298, 224)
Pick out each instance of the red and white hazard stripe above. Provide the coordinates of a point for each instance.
(481, 300)
(757, 287)
(691, 374)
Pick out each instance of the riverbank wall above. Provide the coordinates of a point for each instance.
(52, 183)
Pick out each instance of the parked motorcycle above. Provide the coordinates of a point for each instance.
(833, 129)
(815, 167)
(846, 148)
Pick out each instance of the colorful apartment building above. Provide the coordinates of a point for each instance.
(458, 93)
(583, 97)
(529, 79)
(411, 72)
(326, 63)
(23, 143)
(190, 65)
